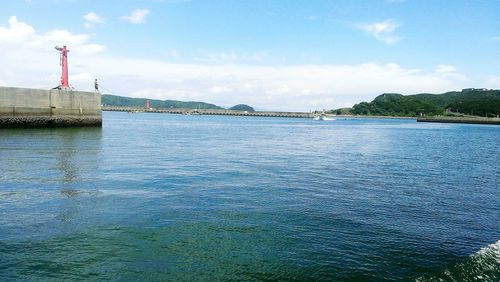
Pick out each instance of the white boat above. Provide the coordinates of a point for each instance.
(322, 117)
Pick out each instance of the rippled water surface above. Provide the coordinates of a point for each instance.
(170, 197)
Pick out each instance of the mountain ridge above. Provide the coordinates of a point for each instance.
(470, 101)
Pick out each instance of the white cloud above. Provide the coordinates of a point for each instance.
(28, 60)
(92, 19)
(232, 57)
(16, 31)
(61, 35)
(220, 89)
(19, 35)
(493, 82)
(445, 69)
(449, 71)
(137, 16)
(383, 31)
(496, 38)
(299, 87)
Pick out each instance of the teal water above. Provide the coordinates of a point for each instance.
(170, 197)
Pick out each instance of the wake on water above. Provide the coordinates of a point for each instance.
(481, 266)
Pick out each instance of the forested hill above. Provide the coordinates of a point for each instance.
(119, 101)
(242, 107)
(480, 102)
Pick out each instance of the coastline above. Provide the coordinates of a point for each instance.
(441, 119)
(364, 116)
(470, 120)
(436, 119)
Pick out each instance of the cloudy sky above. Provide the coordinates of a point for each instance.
(276, 55)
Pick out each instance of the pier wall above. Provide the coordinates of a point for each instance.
(25, 107)
(211, 112)
(470, 119)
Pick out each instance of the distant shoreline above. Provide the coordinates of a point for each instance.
(471, 120)
(437, 119)
(476, 120)
(366, 116)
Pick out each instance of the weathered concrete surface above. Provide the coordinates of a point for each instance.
(25, 107)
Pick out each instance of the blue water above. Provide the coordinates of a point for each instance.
(171, 197)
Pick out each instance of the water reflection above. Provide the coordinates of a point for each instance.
(69, 192)
(77, 160)
(66, 160)
(78, 153)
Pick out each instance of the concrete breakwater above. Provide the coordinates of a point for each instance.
(211, 112)
(473, 120)
(26, 107)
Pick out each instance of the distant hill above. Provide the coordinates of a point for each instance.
(242, 107)
(480, 102)
(119, 101)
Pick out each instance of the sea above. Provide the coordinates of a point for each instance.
(162, 197)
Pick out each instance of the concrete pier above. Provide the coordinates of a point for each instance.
(472, 120)
(25, 107)
(211, 112)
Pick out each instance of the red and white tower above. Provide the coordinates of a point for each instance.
(64, 63)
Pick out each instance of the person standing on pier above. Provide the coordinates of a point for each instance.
(96, 85)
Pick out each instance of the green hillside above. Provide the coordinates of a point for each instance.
(242, 107)
(478, 102)
(119, 101)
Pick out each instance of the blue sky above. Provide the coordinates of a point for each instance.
(286, 55)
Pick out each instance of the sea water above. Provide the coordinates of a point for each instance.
(172, 197)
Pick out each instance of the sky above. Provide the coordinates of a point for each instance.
(299, 55)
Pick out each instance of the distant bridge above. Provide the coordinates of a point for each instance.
(210, 112)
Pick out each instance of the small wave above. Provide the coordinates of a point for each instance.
(137, 193)
(484, 265)
(8, 194)
(71, 193)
